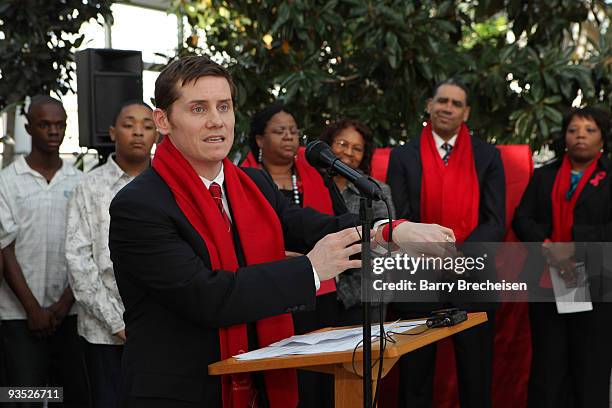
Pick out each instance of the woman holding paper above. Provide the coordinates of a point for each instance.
(570, 202)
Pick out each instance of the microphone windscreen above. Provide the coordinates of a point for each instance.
(315, 153)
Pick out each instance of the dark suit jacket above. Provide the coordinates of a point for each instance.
(404, 176)
(175, 303)
(592, 223)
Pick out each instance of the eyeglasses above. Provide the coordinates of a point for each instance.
(344, 145)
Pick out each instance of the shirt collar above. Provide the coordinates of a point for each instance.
(219, 179)
(351, 186)
(439, 141)
(113, 168)
(22, 167)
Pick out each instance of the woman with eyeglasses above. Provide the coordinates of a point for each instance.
(353, 143)
(274, 141)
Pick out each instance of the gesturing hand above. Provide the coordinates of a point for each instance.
(427, 239)
(330, 256)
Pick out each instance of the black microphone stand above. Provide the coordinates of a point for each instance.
(366, 216)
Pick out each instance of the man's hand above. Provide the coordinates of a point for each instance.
(330, 256)
(121, 334)
(418, 232)
(40, 321)
(424, 239)
(59, 310)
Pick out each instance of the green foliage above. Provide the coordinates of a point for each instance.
(378, 61)
(37, 48)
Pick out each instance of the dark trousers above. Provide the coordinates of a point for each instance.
(572, 356)
(474, 358)
(56, 361)
(103, 364)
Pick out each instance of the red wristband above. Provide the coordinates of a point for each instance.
(385, 230)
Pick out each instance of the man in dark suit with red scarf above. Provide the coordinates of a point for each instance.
(198, 249)
(450, 178)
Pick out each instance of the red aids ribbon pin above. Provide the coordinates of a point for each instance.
(598, 177)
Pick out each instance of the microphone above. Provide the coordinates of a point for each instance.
(319, 154)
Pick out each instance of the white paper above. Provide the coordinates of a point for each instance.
(324, 342)
(571, 300)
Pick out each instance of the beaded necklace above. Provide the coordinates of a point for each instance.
(294, 184)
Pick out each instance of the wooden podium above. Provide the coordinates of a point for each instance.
(348, 383)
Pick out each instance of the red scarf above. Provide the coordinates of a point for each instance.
(450, 194)
(563, 209)
(261, 238)
(315, 195)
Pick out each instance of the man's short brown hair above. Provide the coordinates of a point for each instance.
(184, 70)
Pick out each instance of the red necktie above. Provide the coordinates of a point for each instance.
(242, 382)
(217, 194)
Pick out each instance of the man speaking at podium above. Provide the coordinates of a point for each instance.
(198, 247)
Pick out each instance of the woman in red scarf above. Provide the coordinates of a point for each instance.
(274, 142)
(275, 132)
(353, 143)
(570, 201)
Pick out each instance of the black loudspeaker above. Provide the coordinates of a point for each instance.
(106, 78)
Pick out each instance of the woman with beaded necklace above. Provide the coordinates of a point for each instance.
(274, 141)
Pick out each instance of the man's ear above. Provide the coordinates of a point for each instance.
(428, 106)
(160, 117)
(466, 114)
(112, 132)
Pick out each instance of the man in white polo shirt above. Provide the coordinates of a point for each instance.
(39, 323)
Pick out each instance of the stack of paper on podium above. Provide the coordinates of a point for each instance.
(324, 341)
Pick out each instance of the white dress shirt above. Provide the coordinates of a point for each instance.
(439, 142)
(90, 269)
(220, 179)
(33, 214)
